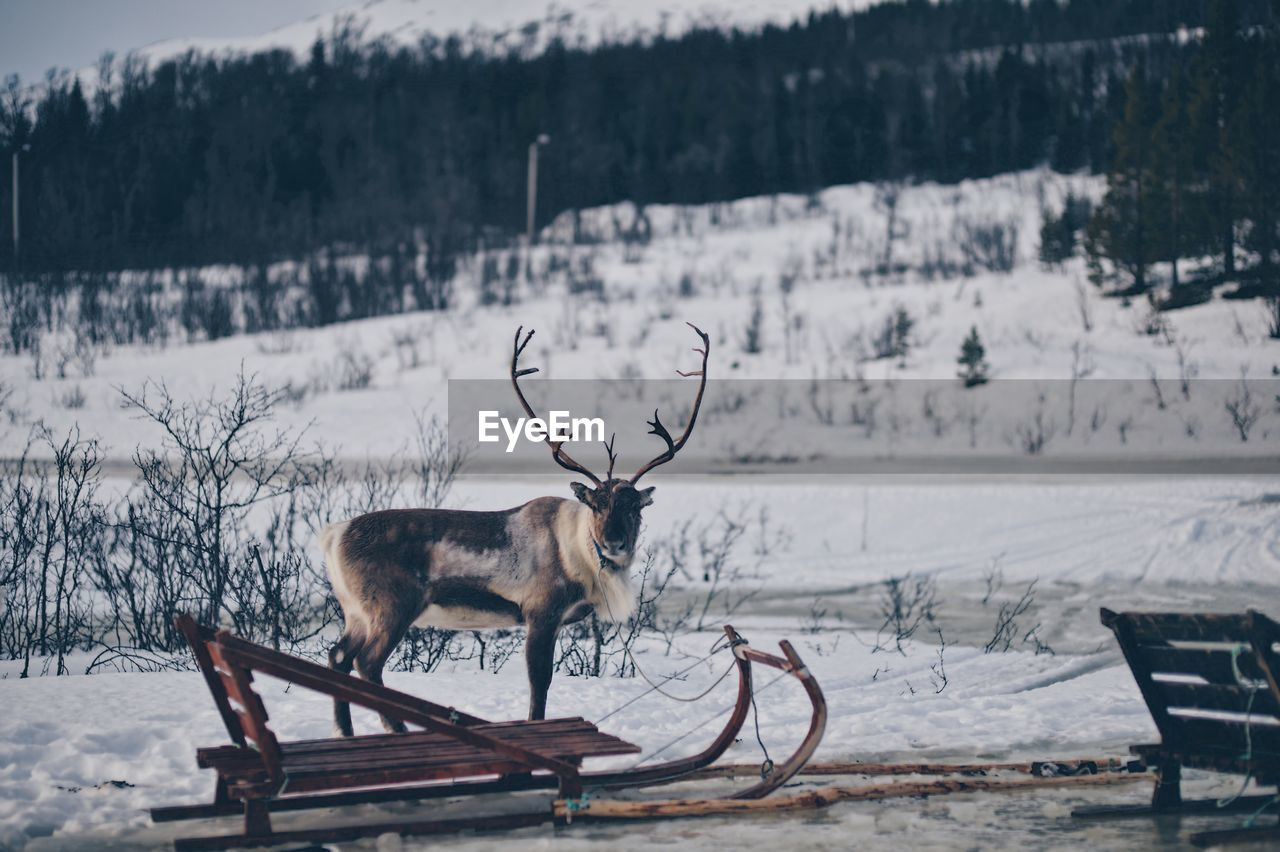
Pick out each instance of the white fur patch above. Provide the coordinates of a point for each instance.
(462, 618)
(608, 591)
(330, 544)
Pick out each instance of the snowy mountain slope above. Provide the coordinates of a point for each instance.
(524, 26)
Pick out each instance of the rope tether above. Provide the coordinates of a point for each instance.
(1252, 685)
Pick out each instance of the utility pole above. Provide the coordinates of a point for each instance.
(531, 200)
(17, 231)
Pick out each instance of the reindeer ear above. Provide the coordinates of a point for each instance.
(582, 492)
(646, 496)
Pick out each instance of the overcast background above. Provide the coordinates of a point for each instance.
(36, 35)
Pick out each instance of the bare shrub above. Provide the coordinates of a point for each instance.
(1007, 629)
(186, 528)
(1242, 409)
(753, 334)
(72, 399)
(1035, 433)
(906, 604)
(52, 528)
(353, 369)
(989, 244)
(893, 340)
(1271, 314)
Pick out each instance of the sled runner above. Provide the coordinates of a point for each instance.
(457, 753)
(1210, 682)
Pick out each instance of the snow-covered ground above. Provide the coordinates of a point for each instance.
(143, 728)
(1135, 541)
(1166, 543)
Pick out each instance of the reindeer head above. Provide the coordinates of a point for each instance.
(615, 504)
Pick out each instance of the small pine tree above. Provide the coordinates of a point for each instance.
(1058, 233)
(972, 360)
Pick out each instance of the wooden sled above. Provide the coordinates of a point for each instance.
(1210, 682)
(460, 754)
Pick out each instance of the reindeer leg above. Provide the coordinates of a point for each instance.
(342, 656)
(371, 658)
(539, 656)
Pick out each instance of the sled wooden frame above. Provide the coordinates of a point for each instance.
(258, 776)
(1211, 684)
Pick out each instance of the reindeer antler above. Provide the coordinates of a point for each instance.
(557, 447)
(655, 425)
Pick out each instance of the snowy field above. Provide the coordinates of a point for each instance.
(1212, 544)
(818, 571)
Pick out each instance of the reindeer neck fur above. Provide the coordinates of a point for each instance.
(606, 585)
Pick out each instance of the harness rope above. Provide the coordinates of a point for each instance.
(716, 647)
(766, 767)
(1252, 685)
(651, 755)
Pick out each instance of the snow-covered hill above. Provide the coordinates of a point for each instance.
(789, 288)
(502, 26)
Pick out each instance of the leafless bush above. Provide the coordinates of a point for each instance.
(353, 369)
(52, 527)
(906, 604)
(593, 647)
(715, 578)
(1243, 410)
(1006, 627)
(425, 649)
(1035, 433)
(987, 244)
(753, 334)
(185, 530)
(993, 579)
(1271, 314)
(72, 399)
(938, 668)
(407, 343)
(10, 411)
(893, 340)
(1083, 307)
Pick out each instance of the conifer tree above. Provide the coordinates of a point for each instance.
(1124, 227)
(973, 360)
(1213, 114)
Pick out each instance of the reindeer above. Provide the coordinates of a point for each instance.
(547, 563)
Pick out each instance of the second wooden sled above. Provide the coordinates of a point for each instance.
(461, 754)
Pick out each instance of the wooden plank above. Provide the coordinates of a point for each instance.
(743, 770)
(377, 697)
(1214, 665)
(1263, 741)
(1140, 664)
(581, 743)
(196, 636)
(238, 680)
(1187, 626)
(595, 809)
(1213, 696)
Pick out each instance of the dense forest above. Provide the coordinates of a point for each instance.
(248, 159)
